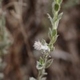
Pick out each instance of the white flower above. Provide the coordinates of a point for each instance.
(45, 47)
(39, 46)
(31, 78)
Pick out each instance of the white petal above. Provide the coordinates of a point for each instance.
(31, 78)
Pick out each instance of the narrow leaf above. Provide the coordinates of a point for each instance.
(49, 62)
(50, 18)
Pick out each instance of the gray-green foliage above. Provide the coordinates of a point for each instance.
(46, 48)
(4, 41)
(4, 35)
(56, 5)
(71, 3)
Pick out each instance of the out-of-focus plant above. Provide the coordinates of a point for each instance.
(46, 48)
(70, 3)
(4, 38)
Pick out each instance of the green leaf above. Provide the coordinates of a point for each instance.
(49, 62)
(50, 32)
(60, 15)
(59, 1)
(39, 65)
(54, 39)
(54, 32)
(56, 7)
(41, 60)
(50, 18)
(52, 48)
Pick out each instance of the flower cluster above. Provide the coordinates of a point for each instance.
(39, 46)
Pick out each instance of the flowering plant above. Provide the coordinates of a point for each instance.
(46, 48)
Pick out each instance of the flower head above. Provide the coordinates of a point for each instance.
(39, 46)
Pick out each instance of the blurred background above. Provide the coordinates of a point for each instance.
(27, 21)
